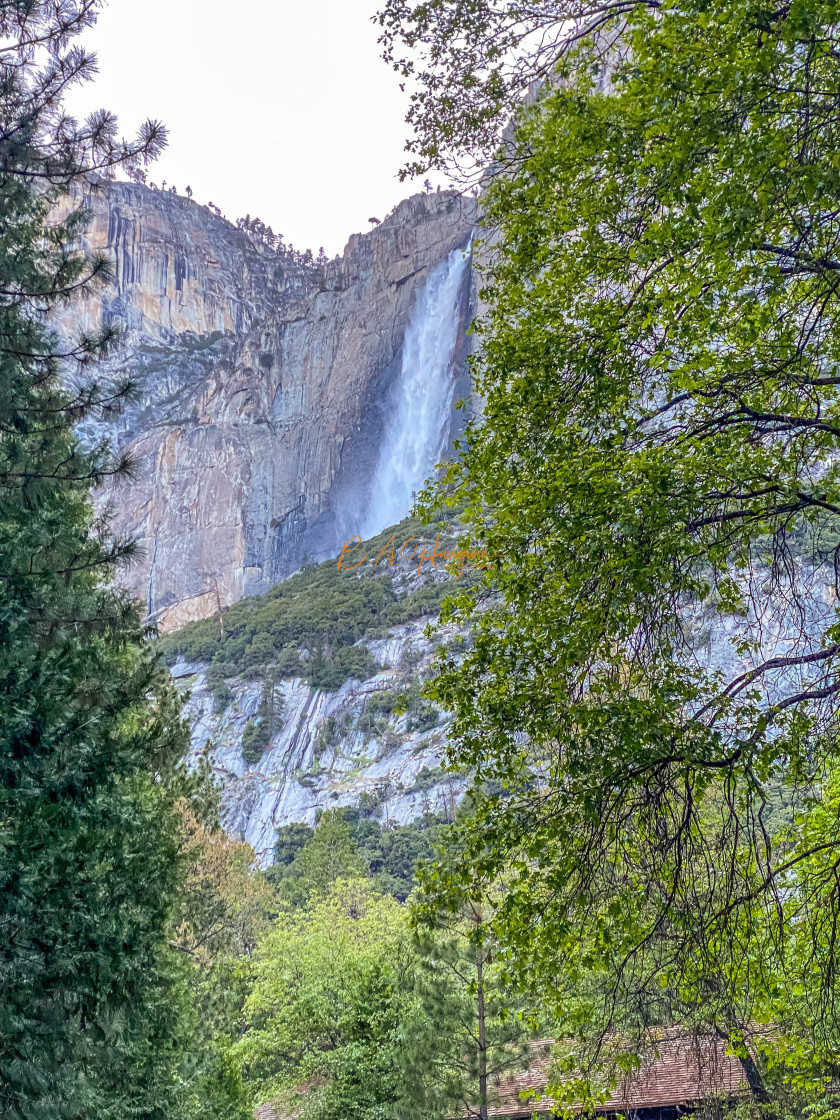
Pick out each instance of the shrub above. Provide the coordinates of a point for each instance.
(255, 739)
(218, 687)
(354, 662)
(390, 742)
(289, 663)
(382, 703)
(425, 718)
(258, 731)
(260, 652)
(427, 778)
(327, 733)
(332, 730)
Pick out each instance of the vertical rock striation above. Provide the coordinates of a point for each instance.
(263, 385)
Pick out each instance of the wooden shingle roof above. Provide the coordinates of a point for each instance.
(680, 1071)
(683, 1070)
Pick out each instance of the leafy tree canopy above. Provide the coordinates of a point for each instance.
(351, 1014)
(329, 987)
(657, 466)
(348, 843)
(470, 63)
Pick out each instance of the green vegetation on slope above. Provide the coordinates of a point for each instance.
(350, 841)
(308, 626)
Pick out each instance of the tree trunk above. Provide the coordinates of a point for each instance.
(748, 1065)
(482, 1036)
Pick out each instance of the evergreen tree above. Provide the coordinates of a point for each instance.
(350, 842)
(331, 854)
(463, 1036)
(291, 838)
(310, 862)
(93, 999)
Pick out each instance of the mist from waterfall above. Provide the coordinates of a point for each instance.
(416, 437)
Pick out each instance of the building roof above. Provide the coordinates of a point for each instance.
(681, 1071)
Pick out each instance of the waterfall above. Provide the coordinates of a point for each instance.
(417, 436)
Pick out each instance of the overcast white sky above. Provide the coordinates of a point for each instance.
(278, 108)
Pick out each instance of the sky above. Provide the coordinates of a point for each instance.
(281, 109)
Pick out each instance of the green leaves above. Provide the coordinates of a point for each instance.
(349, 1013)
(657, 451)
(329, 987)
(96, 1011)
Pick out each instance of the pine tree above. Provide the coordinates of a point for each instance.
(466, 1035)
(92, 996)
(327, 854)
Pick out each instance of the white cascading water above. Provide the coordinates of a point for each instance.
(416, 438)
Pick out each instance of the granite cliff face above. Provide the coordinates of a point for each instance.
(326, 752)
(265, 385)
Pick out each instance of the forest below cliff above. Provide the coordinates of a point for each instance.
(640, 678)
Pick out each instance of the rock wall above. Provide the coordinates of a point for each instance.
(263, 385)
(303, 770)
